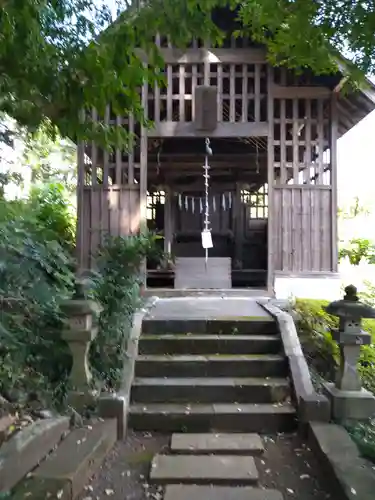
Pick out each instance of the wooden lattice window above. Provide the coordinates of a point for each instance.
(256, 203)
(154, 199)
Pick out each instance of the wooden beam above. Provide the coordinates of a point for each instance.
(333, 157)
(294, 92)
(208, 55)
(112, 187)
(80, 243)
(168, 230)
(224, 129)
(229, 185)
(305, 187)
(143, 177)
(270, 179)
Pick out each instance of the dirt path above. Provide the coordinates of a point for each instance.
(287, 465)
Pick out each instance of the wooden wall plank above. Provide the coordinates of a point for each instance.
(220, 93)
(257, 93)
(130, 172)
(111, 210)
(306, 230)
(169, 94)
(114, 212)
(321, 143)
(95, 222)
(302, 232)
(232, 92)
(295, 132)
(326, 232)
(294, 92)
(308, 150)
(212, 55)
(245, 99)
(106, 152)
(223, 129)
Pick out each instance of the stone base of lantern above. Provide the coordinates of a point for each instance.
(79, 400)
(350, 405)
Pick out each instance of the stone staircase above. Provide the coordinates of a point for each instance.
(224, 376)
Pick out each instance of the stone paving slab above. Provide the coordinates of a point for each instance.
(71, 464)
(213, 469)
(228, 308)
(27, 448)
(353, 477)
(234, 443)
(183, 492)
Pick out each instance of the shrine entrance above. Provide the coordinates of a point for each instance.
(237, 203)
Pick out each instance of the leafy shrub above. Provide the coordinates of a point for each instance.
(53, 213)
(314, 326)
(37, 274)
(116, 285)
(357, 250)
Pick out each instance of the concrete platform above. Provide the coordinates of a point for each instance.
(213, 469)
(233, 443)
(206, 308)
(180, 492)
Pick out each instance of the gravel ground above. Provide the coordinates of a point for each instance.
(287, 466)
(290, 467)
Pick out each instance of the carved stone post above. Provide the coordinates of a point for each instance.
(349, 400)
(80, 330)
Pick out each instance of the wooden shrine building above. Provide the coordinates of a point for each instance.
(273, 169)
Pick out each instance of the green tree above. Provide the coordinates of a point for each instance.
(50, 159)
(57, 56)
(357, 250)
(355, 209)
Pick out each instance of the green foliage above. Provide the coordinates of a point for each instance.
(116, 286)
(314, 326)
(353, 210)
(357, 250)
(51, 159)
(36, 275)
(54, 214)
(57, 57)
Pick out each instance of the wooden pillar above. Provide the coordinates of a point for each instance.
(80, 250)
(143, 175)
(168, 229)
(238, 224)
(333, 161)
(270, 179)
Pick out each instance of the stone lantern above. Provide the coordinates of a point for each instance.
(80, 330)
(349, 400)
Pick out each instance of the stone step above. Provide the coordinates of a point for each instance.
(66, 471)
(211, 366)
(225, 417)
(242, 325)
(203, 444)
(213, 469)
(209, 344)
(210, 390)
(187, 492)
